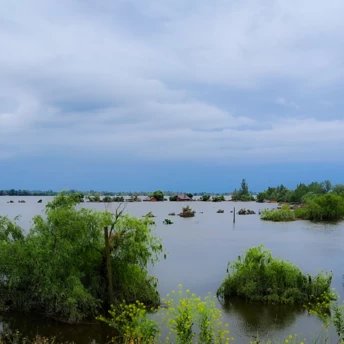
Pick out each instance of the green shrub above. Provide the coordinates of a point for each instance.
(260, 277)
(278, 215)
(188, 318)
(328, 207)
(301, 213)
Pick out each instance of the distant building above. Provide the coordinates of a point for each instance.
(147, 199)
(183, 198)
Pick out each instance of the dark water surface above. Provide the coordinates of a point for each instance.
(198, 251)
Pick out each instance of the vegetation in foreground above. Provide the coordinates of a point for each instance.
(189, 319)
(257, 276)
(75, 262)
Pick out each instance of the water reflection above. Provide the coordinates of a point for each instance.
(31, 325)
(255, 317)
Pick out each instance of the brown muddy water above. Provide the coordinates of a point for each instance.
(198, 251)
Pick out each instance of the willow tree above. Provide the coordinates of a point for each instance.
(75, 262)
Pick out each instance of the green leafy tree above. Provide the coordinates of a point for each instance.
(173, 198)
(158, 195)
(338, 188)
(261, 197)
(243, 194)
(220, 198)
(205, 198)
(75, 261)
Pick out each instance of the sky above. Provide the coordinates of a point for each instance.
(180, 95)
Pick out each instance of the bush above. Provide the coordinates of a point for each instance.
(187, 212)
(328, 207)
(258, 276)
(219, 198)
(189, 319)
(301, 213)
(278, 215)
(205, 198)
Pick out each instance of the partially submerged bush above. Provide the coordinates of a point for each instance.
(168, 222)
(187, 212)
(278, 215)
(150, 214)
(328, 207)
(220, 211)
(244, 211)
(258, 276)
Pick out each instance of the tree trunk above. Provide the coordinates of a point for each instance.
(108, 264)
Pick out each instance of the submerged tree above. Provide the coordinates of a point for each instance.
(75, 261)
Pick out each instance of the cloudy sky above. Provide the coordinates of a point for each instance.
(173, 94)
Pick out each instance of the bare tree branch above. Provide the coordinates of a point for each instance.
(118, 213)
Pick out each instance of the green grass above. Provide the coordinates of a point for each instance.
(278, 215)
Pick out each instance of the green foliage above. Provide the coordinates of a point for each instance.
(187, 212)
(168, 222)
(260, 277)
(243, 194)
(59, 267)
(205, 198)
(173, 198)
(220, 198)
(278, 215)
(94, 198)
(301, 213)
(261, 197)
(132, 324)
(107, 199)
(192, 319)
(302, 193)
(189, 195)
(189, 319)
(338, 189)
(118, 199)
(328, 207)
(158, 195)
(333, 316)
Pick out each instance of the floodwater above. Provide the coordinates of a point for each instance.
(198, 250)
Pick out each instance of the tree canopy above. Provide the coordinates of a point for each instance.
(243, 194)
(61, 267)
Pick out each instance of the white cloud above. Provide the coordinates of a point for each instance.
(89, 77)
(288, 103)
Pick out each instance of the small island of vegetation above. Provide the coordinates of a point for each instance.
(257, 276)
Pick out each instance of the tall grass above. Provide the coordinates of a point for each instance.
(258, 276)
(278, 215)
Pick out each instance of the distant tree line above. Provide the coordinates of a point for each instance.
(301, 194)
(13, 192)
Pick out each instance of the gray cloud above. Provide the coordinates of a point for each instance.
(112, 78)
